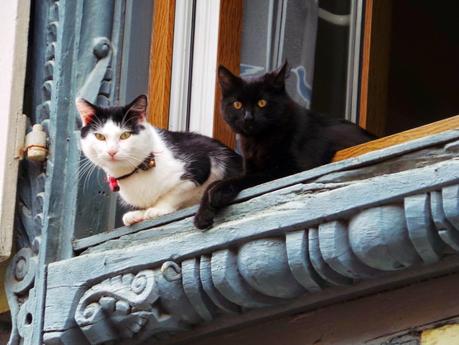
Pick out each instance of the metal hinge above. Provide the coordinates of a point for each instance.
(35, 144)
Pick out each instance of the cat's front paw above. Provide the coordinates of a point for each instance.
(155, 212)
(133, 217)
(203, 219)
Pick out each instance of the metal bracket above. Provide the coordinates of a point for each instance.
(35, 147)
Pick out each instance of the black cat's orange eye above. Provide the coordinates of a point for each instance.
(99, 136)
(125, 135)
(262, 103)
(237, 105)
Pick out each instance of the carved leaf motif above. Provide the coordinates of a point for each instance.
(117, 295)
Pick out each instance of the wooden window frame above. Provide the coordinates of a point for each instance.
(217, 40)
(374, 78)
(398, 138)
(372, 94)
(161, 52)
(229, 54)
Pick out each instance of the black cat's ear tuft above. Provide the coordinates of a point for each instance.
(283, 71)
(228, 80)
(277, 77)
(86, 109)
(139, 106)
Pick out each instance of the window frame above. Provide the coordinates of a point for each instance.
(160, 70)
(206, 33)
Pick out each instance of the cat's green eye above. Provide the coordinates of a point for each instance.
(125, 135)
(237, 105)
(262, 103)
(99, 136)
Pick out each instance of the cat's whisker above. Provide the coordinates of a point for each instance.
(87, 178)
(100, 180)
(126, 122)
(83, 170)
(123, 120)
(81, 165)
(98, 122)
(84, 166)
(134, 166)
(138, 160)
(83, 162)
(85, 173)
(79, 162)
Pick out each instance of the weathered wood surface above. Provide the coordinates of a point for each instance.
(395, 317)
(389, 161)
(351, 232)
(307, 302)
(420, 228)
(286, 208)
(313, 302)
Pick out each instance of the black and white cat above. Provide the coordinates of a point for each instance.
(278, 137)
(156, 171)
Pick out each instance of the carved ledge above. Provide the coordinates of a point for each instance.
(265, 253)
(20, 278)
(123, 307)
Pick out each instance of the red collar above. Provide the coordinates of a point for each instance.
(147, 164)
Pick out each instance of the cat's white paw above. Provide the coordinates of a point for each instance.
(133, 217)
(155, 212)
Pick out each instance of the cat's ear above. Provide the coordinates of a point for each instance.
(278, 76)
(87, 110)
(228, 81)
(139, 107)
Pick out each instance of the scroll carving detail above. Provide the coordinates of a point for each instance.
(122, 307)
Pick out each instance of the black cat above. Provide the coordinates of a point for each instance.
(278, 136)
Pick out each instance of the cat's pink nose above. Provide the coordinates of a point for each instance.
(112, 153)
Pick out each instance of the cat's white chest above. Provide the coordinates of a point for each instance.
(144, 188)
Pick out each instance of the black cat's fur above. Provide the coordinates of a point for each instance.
(278, 139)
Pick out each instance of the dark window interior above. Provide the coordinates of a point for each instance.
(330, 63)
(423, 63)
